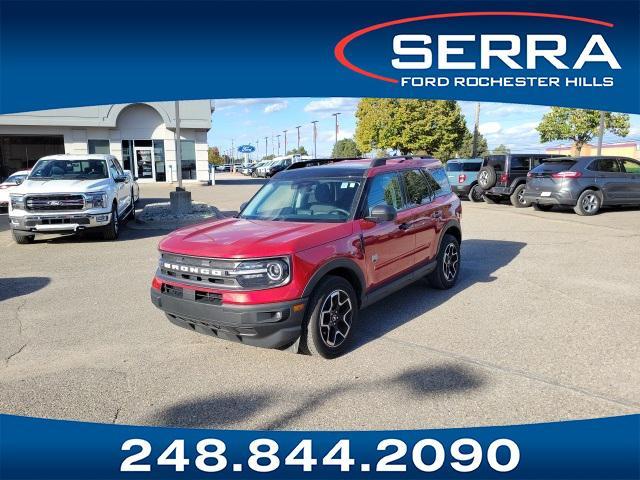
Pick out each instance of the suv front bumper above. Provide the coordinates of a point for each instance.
(270, 325)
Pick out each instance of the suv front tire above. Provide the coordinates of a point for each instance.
(331, 319)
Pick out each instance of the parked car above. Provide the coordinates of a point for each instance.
(9, 184)
(246, 168)
(277, 166)
(261, 171)
(71, 193)
(505, 176)
(463, 177)
(314, 246)
(223, 168)
(585, 183)
(254, 169)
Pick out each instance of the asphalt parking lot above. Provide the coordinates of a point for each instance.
(544, 325)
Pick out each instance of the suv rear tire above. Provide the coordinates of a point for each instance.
(332, 315)
(487, 177)
(447, 268)
(517, 197)
(22, 238)
(111, 231)
(476, 193)
(589, 203)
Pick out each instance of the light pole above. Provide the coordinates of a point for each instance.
(266, 151)
(178, 149)
(315, 136)
(337, 125)
(474, 149)
(278, 137)
(285, 142)
(298, 128)
(600, 132)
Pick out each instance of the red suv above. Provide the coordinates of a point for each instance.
(315, 245)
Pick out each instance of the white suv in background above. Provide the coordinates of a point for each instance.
(71, 193)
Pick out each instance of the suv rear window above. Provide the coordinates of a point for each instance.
(463, 166)
(496, 161)
(552, 166)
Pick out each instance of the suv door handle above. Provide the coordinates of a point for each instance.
(404, 226)
(436, 214)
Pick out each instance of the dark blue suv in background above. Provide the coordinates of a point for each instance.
(585, 183)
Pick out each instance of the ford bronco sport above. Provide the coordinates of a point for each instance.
(313, 246)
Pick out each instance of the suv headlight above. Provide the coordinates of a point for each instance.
(270, 272)
(96, 199)
(17, 201)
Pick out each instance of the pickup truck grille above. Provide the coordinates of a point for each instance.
(212, 273)
(55, 203)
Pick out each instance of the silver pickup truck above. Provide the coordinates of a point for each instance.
(71, 193)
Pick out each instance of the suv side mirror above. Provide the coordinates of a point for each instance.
(382, 213)
(120, 178)
(19, 181)
(243, 204)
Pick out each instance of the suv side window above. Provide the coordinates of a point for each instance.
(440, 183)
(116, 163)
(520, 163)
(630, 167)
(609, 165)
(416, 187)
(385, 189)
(496, 161)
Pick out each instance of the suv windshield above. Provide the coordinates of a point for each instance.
(69, 169)
(304, 200)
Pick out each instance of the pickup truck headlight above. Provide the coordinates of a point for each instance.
(270, 272)
(96, 199)
(17, 201)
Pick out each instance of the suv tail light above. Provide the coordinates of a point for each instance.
(567, 174)
(461, 178)
(504, 178)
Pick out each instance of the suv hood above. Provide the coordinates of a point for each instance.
(239, 238)
(61, 186)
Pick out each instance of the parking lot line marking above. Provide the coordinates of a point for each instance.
(517, 372)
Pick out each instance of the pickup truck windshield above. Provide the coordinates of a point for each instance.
(69, 170)
(304, 200)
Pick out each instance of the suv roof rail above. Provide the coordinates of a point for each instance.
(377, 162)
(314, 162)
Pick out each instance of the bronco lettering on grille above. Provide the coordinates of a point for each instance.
(196, 270)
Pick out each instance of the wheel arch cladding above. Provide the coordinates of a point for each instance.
(344, 268)
(452, 228)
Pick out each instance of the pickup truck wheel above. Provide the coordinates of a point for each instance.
(589, 203)
(22, 238)
(447, 268)
(331, 319)
(517, 197)
(476, 193)
(111, 231)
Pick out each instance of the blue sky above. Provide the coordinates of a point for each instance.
(247, 120)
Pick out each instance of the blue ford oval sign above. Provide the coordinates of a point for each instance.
(246, 148)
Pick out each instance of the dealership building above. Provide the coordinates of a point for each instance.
(140, 135)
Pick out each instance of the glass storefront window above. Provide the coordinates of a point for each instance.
(98, 146)
(158, 158)
(188, 152)
(127, 155)
(21, 152)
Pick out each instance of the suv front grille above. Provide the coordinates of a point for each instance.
(201, 271)
(54, 203)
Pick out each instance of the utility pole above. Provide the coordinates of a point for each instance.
(298, 128)
(278, 137)
(476, 132)
(233, 152)
(337, 125)
(285, 142)
(315, 136)
(600, 133)
(266, 151)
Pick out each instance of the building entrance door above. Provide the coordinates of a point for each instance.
(145, 167)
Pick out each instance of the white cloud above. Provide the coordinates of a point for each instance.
(522, 130)
(490, 128)
(276, 107)
(330, 135)
(226, 103)
(331, 105)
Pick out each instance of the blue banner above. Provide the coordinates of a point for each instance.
(32, 448)
(74, 53)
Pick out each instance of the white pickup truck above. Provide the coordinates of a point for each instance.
(71, 193)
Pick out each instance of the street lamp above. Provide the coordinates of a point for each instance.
(337, 126)
(315, 137)
(266, 151)
(278, 137)
(298, 128)
(285, 142)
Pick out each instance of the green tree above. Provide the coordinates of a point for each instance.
(214, 156)
(500, 150)
(345, 148)
(298, 151)
(579, 125)
(410, 125)
(466, 151)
